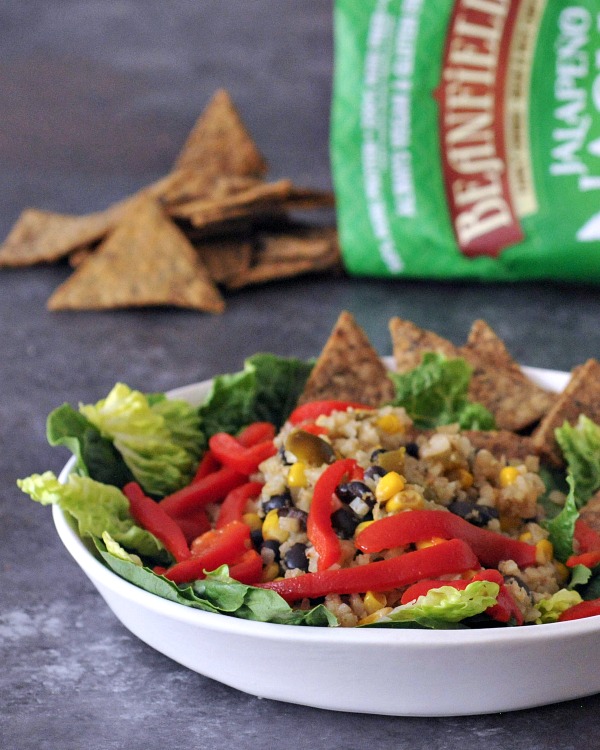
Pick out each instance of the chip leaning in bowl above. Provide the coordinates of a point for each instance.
(269, 502)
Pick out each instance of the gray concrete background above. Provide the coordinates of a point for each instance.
(95, 100)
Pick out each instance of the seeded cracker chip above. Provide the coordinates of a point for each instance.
(581, 396)
(225, 259)
(348, 368)
(219, 143)
(147, 260)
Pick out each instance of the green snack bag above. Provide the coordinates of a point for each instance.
(465, 138)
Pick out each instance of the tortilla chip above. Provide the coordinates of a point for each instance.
(348, 368)
(225, 259)
(146, 261)
(291, 253)
(499, 383)
(581, 396)
(219, 143)
(46, 237)
(410, 342)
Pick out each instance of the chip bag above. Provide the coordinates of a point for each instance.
(466, 138)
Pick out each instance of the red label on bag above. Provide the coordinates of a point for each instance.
(472, 97)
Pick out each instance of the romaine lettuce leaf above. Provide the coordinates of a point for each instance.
(435, 393)
(562, 527)
(580, 445)
(217, 593)
(95, 455)
(161, 459)
(267, 389)
(447, 604)
(552, 608)
(97, 508)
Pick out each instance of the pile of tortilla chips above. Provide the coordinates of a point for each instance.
(526, 415)
(213, 223)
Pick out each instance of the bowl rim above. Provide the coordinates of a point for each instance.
(103, 576)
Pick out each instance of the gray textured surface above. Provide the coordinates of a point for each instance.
(96, 98)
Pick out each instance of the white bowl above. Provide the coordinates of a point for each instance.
(394, 672)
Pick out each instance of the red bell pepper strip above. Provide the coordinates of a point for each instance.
(210, 489)
(454, 556)
(589, 559)
(257, 432)
(319, 528)
(248, 569)
(586, 538)
(417, 525)
(583, 609)
(193, 525)
(208, 464)
(313, 409)
(150, 516)
(232, 508)
(222, 547)
(230, 452)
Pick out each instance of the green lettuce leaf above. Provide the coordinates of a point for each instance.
(267, 389)
(562, 527)
(217, 593)
(97, 508)
(580, 445)
(160, 457)
(96, 456)
(447, 604)
(555, 605)
(435, 393)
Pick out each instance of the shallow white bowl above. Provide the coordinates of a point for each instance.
(395, 672)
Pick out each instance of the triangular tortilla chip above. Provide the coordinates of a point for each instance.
(348, 368)
(225, 259)
(499, 383)
(146, 261)
(410, 342)
(46, 237)
(581, 396)
(219, 143)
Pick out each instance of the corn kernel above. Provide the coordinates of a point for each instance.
(270, 572)
(526, 536)
(405, 500)
(297, 475)
(429, 542)
(390, 423)
(373, 601)
(389, 485)
(465, 479)
(362, 526)
(369, 619)
(544, 551)
(271, 528)
(253, 520)
(508, 475)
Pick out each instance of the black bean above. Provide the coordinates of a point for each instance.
(374, 472)
(520, 582)
(349, 491)
(295, 557)
(412, 449)
(257, 538)
(277, 501)
(272, 545)
(345, 521)
(296, 513)
(478, 515)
